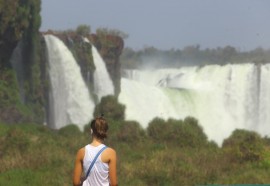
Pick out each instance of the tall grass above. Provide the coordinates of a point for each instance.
(35, 155)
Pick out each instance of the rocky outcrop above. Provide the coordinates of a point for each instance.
(110, 48)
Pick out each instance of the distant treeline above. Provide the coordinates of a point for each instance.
(189, 56)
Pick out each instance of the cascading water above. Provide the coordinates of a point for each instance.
(103, 85)
(264, 100)
(69, 100)
(222, 98)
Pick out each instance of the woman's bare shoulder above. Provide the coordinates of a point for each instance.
(108, 154)
(80, 153)
(110, 150)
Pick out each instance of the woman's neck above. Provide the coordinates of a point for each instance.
(96, 142)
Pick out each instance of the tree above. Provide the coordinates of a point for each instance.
(113, 32)
(83, 30)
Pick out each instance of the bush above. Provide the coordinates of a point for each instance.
(244, 146)
(110, 108)
(194, 133)
(157, 130)
(185, 133)
(131, 132)
(69, 130)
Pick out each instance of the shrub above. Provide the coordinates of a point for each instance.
(131, 132)
(243, 146)
(157, 129)
(185, 133)
(194, 132)
(69, 130)
(110, 108)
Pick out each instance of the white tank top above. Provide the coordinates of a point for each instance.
(99, 174)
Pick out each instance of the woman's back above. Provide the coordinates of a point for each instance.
(99, 174)
(103, 173)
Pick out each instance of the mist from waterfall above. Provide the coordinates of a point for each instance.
(222, 98)
(103, 85)
(69, 99)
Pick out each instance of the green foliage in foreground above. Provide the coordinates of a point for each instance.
(166, 153)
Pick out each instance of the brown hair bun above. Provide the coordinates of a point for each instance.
(100, 127)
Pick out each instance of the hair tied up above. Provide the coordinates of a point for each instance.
(99, 126)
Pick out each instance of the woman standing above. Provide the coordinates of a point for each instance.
(103, 170)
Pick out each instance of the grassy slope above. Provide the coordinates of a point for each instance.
(35, 155)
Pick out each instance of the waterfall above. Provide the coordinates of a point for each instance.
(69, 99)
(264, 100)
(222, 98)
(103, 85)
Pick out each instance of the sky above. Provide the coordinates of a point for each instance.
(168, 24)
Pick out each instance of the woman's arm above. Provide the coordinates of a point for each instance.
(112, 168)
(78, 168)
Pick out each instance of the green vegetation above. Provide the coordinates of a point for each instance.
(10, 103)
(113, 32)
(82, 52)
(179, 133)
(111, 107)
(20, 21)
(166, 153)
(83, 30)
(243, 146)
